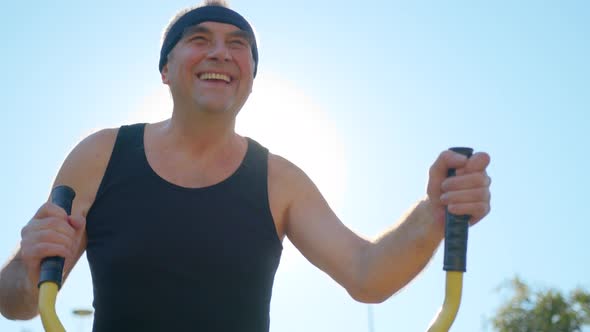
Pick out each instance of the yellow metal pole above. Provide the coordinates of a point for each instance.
(456, 230)
(52, 269)
(448, 312)
(47, 296)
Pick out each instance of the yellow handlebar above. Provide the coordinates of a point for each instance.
(47, 295)
(50, 278)
(456, 230)
(448, 312)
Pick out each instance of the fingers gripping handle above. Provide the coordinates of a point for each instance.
(456, 230)
(52, 267)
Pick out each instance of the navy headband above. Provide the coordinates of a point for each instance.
(205, 14)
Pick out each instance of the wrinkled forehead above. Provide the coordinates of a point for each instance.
(198, 17)
(211, 27)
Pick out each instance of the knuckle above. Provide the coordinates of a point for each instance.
(24, 231)
(432, 170)
(30, 226)
(28, 235)
(482, 209)
(46, 205)
(441, 160)
(50, 206)
(486, 157)
(482, 180)
(44, 209)
(54, 207)
(447, 184)
(482, 195)
(25, 251)
(450, 157)
(54, 210)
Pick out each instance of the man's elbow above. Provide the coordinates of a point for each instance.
(15, 314)
(369, 295)
(365, 288)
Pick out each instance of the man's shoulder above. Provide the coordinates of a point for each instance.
(85, 166)
(99, 139)
(286, 174)
(281, 167)
(98, 145)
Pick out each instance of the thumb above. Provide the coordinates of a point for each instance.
(77, 222)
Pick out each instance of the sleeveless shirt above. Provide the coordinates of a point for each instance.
(170, 258)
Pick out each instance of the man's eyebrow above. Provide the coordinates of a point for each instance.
(195, 29)
(242, 34)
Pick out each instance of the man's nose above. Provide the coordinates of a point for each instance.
(219, 51)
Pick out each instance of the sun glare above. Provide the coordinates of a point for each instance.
(281, 117)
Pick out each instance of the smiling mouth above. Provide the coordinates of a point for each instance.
(215, 77)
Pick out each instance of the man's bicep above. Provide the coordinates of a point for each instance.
(83, 170)
(69, 266)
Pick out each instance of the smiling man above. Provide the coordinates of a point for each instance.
(183, 220)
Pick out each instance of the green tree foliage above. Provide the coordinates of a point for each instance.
(547, 310)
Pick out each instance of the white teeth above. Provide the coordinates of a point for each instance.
(215, 76)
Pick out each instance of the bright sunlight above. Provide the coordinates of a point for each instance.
(281, 117)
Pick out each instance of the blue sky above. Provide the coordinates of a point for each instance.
(363, 97)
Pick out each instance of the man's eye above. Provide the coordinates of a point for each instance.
(198, 39)
(238, 43)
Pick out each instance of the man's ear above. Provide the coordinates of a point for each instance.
(164, 74)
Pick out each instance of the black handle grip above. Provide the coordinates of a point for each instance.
(456, 231)
(52, 267)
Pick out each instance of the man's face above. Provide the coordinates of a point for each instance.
(211, 67)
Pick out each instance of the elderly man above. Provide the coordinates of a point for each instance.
(183, 220)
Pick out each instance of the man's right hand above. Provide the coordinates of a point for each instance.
(51, 232)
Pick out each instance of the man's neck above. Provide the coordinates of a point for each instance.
(199, 134)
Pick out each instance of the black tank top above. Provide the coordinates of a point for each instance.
(170, 258)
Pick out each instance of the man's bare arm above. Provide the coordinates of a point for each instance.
(373, 270)
(400, 253)
(18, 298)
(51, 232)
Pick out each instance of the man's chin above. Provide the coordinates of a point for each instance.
(214, 108)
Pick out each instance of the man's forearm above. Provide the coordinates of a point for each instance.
(18, 296)
(399, 254)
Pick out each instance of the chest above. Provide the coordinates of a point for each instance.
(212, 248)
(142, 226)
(185, 172)
(190, 171)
